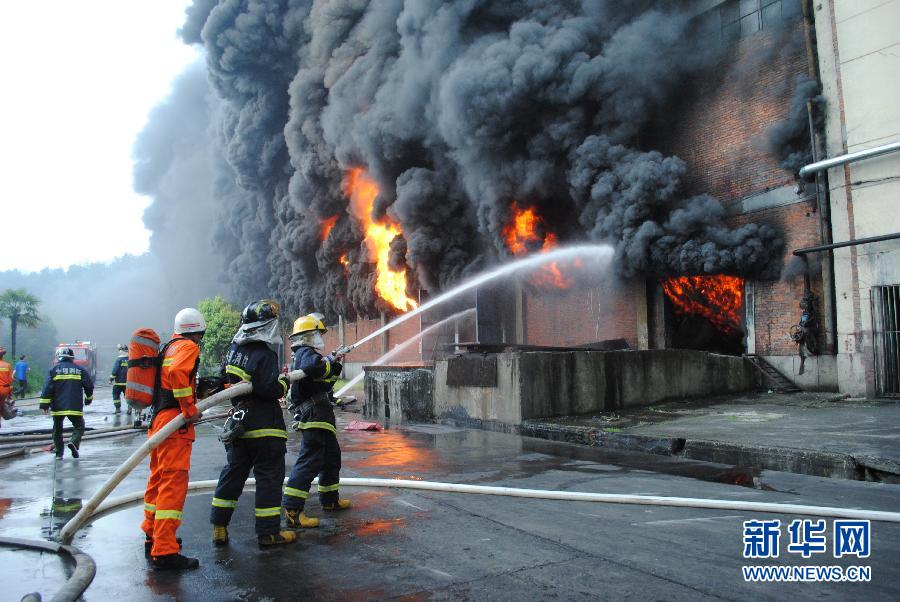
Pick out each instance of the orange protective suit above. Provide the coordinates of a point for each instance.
(170, 462)
(6, 379)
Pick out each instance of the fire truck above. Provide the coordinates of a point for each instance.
(85, 355)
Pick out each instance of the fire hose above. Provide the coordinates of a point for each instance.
(76, 522)
(571, 496)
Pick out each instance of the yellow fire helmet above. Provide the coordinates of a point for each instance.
(308, 323)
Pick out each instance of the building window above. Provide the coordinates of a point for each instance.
(742, 18)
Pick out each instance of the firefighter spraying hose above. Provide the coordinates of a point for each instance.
(76, 522)
(93, 506)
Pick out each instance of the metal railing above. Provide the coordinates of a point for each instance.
(886, 339)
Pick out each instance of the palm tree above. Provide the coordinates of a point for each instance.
(20, 307)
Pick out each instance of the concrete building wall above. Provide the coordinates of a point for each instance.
(858, 43)
(544, 384)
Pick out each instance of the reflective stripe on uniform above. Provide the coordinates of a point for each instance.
(318, 425)
(89, 398)
(45, 400)
(149, 507)
(121, 384)
(328, 488)
(284, 386)
(235, 371)
(257, 433)
(144, 341)
(67, 377)
(327, 369)
(183, 392)
(168, 361)
(296, 492)
(168, 515)
(140, 388)
(220, 503)
(264, 512)
(67, 413)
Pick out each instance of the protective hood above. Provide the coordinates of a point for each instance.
(265, 332)
(308, 339)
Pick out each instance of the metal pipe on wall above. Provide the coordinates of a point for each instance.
(868, 153)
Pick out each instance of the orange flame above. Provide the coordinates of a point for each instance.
(344, 261)
(522, 236)
(719, 299)
(390, 285)
(327, 225)
(521, 233)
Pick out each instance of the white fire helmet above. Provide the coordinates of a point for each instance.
(189, 320)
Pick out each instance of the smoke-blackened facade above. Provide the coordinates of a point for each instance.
(458, 111)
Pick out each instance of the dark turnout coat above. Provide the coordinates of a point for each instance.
(63, 389)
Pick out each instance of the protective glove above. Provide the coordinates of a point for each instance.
(111, 379)
(296, 425)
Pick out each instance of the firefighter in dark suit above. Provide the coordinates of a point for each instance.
(255, 436)
(62, 398)
(312, 404)
(118, 377)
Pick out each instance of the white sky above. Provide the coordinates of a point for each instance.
(78, 81)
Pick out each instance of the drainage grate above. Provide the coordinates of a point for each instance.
(886, 339)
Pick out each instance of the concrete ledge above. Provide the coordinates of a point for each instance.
(782, 459)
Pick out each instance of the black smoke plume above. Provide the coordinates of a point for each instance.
(788, 140)
(456, 109)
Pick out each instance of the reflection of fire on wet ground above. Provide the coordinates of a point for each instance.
(389, 454)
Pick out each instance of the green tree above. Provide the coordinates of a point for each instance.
(222, 321)
(20, 307)
(37, 345)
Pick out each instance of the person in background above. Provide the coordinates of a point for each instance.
(311, 402)
(118, 377)
(21, 371)
(6, 377)
(62, 398)
(171, 461)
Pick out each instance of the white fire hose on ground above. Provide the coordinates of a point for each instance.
(93, 506)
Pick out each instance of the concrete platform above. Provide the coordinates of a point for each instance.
(821, 434)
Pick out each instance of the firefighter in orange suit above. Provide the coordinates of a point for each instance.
(170, 462)
(6, 377)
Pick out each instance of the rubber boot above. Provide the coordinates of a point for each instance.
(74, 449)
(148, 546)
(174, 562)
(276, 539)
(118, 409)
(220, 535)
(341, 505)
(296, 519)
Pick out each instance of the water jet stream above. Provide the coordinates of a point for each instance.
(387, 356)
(599, 252)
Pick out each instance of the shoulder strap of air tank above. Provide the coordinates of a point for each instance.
(157, 382)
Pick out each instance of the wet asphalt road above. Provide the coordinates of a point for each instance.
(424, 545)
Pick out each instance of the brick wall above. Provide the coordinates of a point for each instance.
(721, 134)
(777, 302)
(721, 130)
(578, 316)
